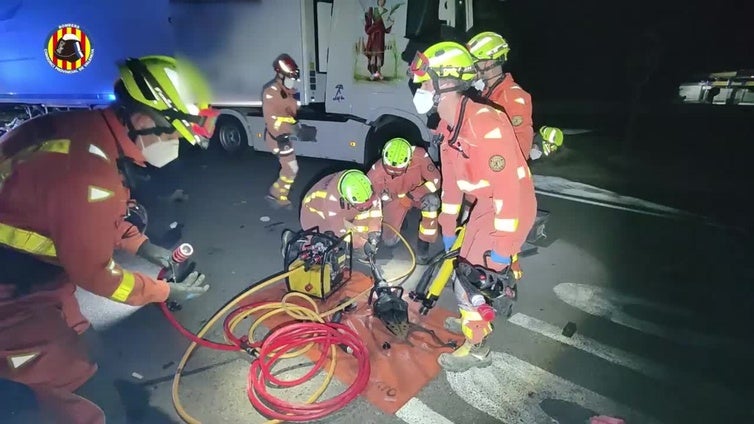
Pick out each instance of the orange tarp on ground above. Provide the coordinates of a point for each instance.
(398, 373)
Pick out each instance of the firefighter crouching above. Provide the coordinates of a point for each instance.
(279, 107)
(344, 202)
(63, 200)
(406, 178)
(483, 160)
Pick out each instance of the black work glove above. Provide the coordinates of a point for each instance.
(190, 287)
(155, 254)
(373, 239)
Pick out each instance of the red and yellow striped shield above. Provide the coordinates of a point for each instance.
(69, 49)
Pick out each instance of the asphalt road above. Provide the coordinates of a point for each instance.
(662, 310)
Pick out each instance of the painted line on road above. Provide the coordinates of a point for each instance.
(608, 353)
(511, 390)
(417, 412)
(671, 215)
(721, 396)
(608, 303)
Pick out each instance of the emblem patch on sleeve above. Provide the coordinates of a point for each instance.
(517, 120)
(497, 163)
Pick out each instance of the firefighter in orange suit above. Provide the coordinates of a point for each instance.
(484, 161)
(490, 52)
(279, 107)
(344, 202)
(63, 200)
(406, 178)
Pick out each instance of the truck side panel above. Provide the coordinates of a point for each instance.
(117, 29)
(234, 43)
(367, 34)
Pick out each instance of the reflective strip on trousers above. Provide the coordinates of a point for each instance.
(429, 214)
(506, 225)
(451, 208)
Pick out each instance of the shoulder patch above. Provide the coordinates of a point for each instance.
(517, 120)
(497, 163)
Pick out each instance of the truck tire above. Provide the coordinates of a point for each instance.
(376, 138)
(230, 135)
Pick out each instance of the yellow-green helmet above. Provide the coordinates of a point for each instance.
(354, 186)
(552, 139)
(488, 45)
(552, 135)
(446, 59)
(172, 88)
(396, 156)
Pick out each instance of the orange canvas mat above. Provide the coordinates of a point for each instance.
(399, 372)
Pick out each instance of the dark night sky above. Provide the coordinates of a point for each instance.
(591, 50)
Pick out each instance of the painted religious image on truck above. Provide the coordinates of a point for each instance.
(376, 50)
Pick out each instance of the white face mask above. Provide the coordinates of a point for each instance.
(289, 83)
(423, 101)
(479, 85)
(161, 153)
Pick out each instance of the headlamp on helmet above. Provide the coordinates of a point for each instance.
(396, 156)
(287, 69)
(175, 94)
(354, 186)
(447, 61)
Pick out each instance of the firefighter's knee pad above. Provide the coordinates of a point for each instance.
(430, 202)
(474, 327)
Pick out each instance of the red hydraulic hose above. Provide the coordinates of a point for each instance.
(292, 337)
(191, 336)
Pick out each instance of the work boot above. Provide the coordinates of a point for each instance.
(285, 239)
(278, 203)
(466, 357)
(422, 252)
(453, 325)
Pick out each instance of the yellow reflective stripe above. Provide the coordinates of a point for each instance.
(27, 241)
(360, 228)
(427, 231)
(56, 146)
(468, 186)
(316, 195)
(430, 186)
(125, 287)
(368, 214)
(280, 120)
(521, 171)
(318, 212)
(429, 214)
(451, 208)
(286, 179)
(506, 224)
(401, 195)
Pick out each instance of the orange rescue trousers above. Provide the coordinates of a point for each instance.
(41, 346)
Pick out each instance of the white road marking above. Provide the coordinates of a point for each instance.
(608, 304)
(417, 412)
(608, 353)
(511, 390)
(686, 380)
(583, 193)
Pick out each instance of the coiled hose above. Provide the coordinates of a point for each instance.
(288, 341)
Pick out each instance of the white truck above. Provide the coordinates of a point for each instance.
(353, 56)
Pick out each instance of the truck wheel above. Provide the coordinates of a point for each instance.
(376, 139)
(230, 134)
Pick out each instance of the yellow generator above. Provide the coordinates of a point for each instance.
(322, 262)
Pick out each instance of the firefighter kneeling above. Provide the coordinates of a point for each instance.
(344, 202)
(407, 179)
(483, 160)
